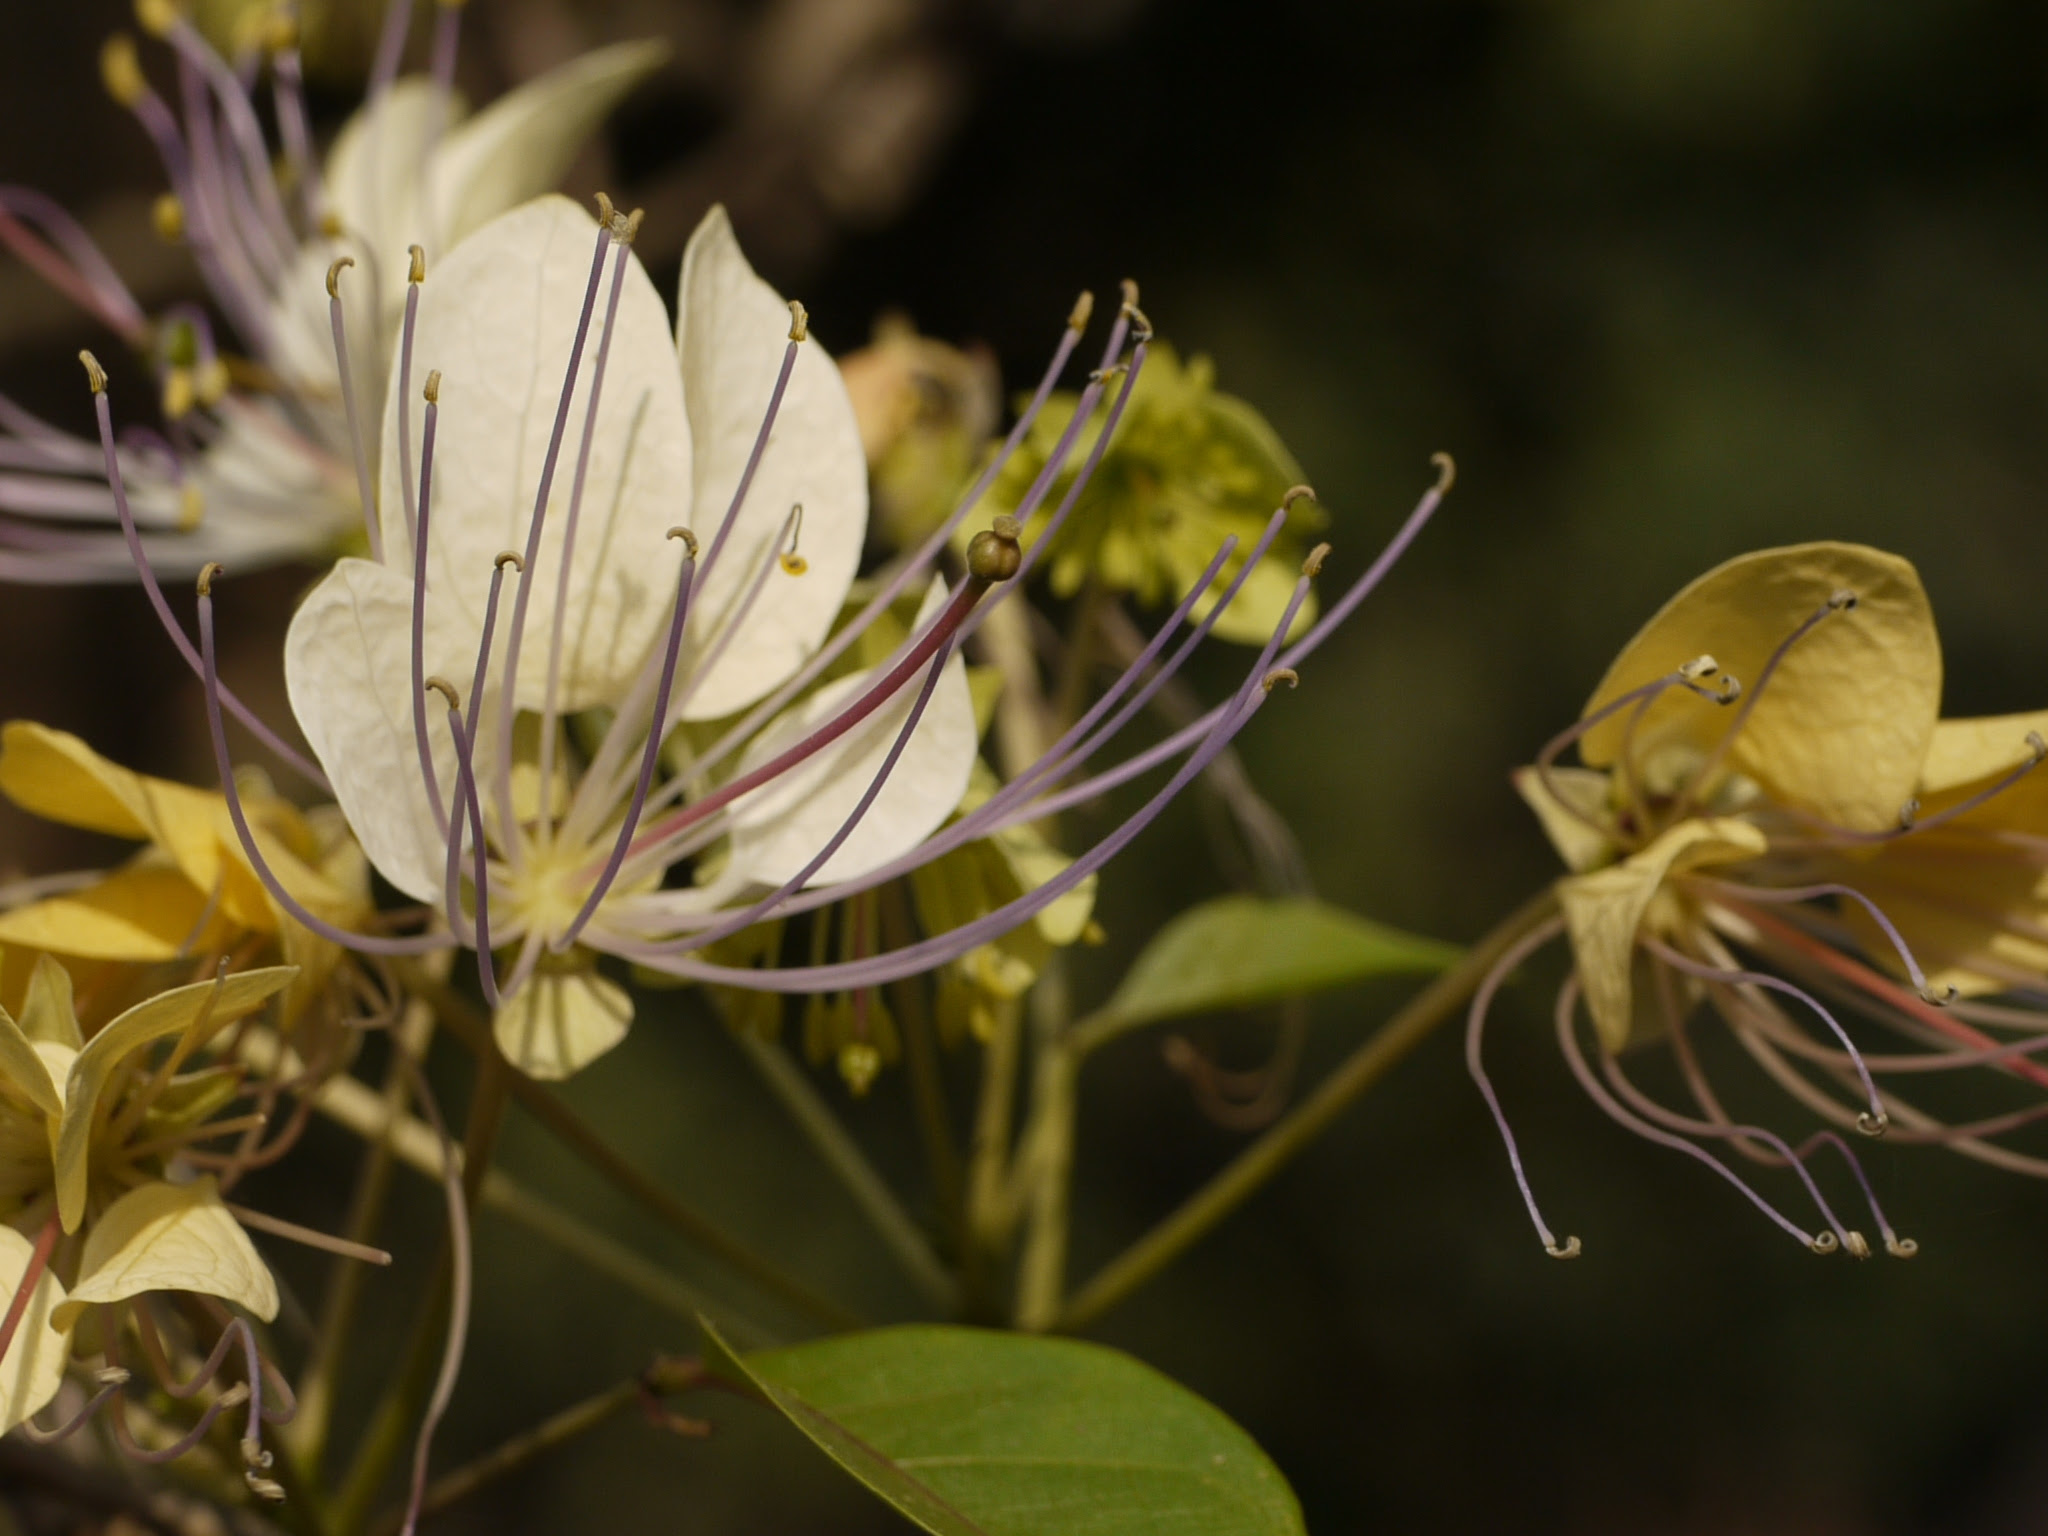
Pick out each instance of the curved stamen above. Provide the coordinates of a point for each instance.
(1910, 820)
(1475, 1032)
(416, 274)
(1567, 1010)
(364, 943)
(77, 269)
(104, 414)
(1794, 895)
(1871, 1125)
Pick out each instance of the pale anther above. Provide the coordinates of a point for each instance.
(1731, 689)
(446, 689)
(1824, 1243)
(167, 217)
(792, 563)
(1873, 1125)
(689, 539)
(509, 557)
(1699, 667)
(1909, 813)
(207, 572)
(799, 320)
(1939, 997)
(111, 1376)
(1841, 599)
(432, 391)
(1084, 308)
(2037, 746)
(1446, 471)
(1279, 675)
(418, 271)
(1104, 375)
(1568, 1249)
(1901, 1247)
(95, 375)
(605, 211)
(334, 275)
(1857, 1244)
(158, 17)
(1313, 565)
(1297, 493)
(121, 72)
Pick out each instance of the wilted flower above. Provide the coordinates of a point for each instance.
(257, 462)
(1806, 843)
(1188, 466)
(101, 1191)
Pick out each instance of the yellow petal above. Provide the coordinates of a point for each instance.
(170, 1237)
(168, 1013)
(1963, 752)
(21, 1065)
(1604, 910)
(1843, 727)
(558, 1024)
(34, 1366)
(1580, 799)
(48, 1013)
(145, 912)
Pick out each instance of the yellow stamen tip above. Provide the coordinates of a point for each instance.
(446, 689)
(1279, 675)
(1446, 471)
(432, 389)
(158, 17)
(1568, 1249)
(1824, 1243)
(1083, 310)
(1313, 565)
(207, 573)
(334, 274)
(191, 507)
(1297, 493)
(121, 70)
(794, 565)
(211, 380)
(180, 394)
(1901, 1247)
(95, 375)
(167, 215)
(689, 539)
(417, 273)
(799, 321)
(509, 557)
(1873, 1125)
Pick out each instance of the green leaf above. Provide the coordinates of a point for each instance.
(967, 1432)
(1241, 951)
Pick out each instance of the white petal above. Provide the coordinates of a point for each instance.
(348, 673)
(498, 318)
(373, 171)
(170, 1237)
(780, 827)
(558, 1024)
(34, 1366)
(731, 331)
(520, 145)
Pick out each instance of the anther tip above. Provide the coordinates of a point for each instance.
(509, 557)
(417, 273)
(1313, 565)
(1702, 665)
(1841, 600)
(1446, 471)
(1873, 1125)
(334, 274)
(1279, 675)
(121, 71)
(1568, 1249)
(432, 390)
(1297, 493)
(207, 573)
(1939, 997)
(994, 554)
(689, 539)
(1901, 1247)
(1824, 1243)
(1857, 1244)
(158, 17)
(1909, 813)
(112, 1376)
(605, 211)
(2036, 745)
(95, 375)
(1082, 312)
(167, 218)
(446, 689)
(799, 320)
(1731, 689)
(1130, 292)
(792, 563)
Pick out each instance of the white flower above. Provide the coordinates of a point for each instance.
(593, 609)
(258, 466)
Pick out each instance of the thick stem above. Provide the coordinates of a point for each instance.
(1158, 1248)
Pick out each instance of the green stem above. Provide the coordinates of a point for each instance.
(578, 1419)
(1049, 1155)
(991, 1210)
(876, 1201)
(927, 1082)
(1263, 1158)
(566, 1126)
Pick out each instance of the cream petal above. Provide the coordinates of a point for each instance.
(1842, 728)
(1604, 910)
(498, 319)
(48, 1013)
(731, 332)
(781, 826)
(560, 1023)
(348, 673)
(1580, 798)
(24, 1069)
(521, 144)
(170, 1237)
(373, 172)
(168, 1013)
(34, 1367)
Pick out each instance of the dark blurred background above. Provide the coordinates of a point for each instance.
(1673, 279)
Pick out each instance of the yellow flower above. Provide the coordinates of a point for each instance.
(89, 1132)
(191, 893)
(1771, 817)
